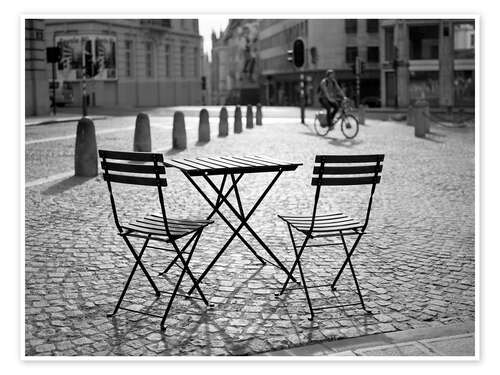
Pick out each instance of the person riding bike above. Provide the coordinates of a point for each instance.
(329, 92)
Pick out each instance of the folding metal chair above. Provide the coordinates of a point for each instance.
(334, 170)
(142, 168)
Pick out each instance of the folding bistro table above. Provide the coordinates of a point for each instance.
(233, 168)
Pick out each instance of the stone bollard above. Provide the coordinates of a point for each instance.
(179, 140)
(204, 127)
(142, 134)
(258, 115)
(237, 120)
(420, 117)
(85, 149)
(410, 116)
(361, 114)
(223, 126)
(249, 117)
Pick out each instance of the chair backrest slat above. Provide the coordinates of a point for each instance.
(349, 158)
(360, 169)
(134, 180)
(133, 168)
(328, 181)
(132, 156)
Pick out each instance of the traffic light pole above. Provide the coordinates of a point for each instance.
(84, 94)
(54, 88)
(358, 83)
(302, 99)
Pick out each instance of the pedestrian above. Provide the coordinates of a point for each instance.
(329, 92)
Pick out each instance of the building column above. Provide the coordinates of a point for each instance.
(446, 60)
(402, 43)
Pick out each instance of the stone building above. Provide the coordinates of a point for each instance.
(235, 70)
(428, 58)
(330, 44)
(36, 84)
(129, 62)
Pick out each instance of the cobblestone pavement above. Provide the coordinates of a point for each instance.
(416, 268)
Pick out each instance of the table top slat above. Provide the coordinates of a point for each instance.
(229, 163)
(178, 164)
(193, 163)
(273, 160)
(214, 161)
(243, 162)
(256, 161)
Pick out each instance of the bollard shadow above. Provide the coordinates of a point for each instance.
(429, 137)
(66, 184)
(174, 151)
(344, 142)
(436, 134)
(201, 144)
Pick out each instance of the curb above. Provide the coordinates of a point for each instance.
(413, 342)
(61, 120)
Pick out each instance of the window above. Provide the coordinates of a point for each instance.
(166, 23)
(372, 54)
(128, 58)
(350, 54)
(183, 61)
(424, 42)
(196, 65)
(463, 40)
(149, 59)
(372, 26)
(389, 44)
(183, 23)
(167, 61)
(351, 26)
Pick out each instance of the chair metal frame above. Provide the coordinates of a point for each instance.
(341, 226)
(161, 231)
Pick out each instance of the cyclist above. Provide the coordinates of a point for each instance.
(329, 91)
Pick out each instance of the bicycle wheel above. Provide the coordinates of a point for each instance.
(350, 126)
(320, 130)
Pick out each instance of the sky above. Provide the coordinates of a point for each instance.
(206, 25)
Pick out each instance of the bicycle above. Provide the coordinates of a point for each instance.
(349, 123)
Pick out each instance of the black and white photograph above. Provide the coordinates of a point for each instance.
(250, 186)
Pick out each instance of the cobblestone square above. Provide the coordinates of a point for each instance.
(416, 267)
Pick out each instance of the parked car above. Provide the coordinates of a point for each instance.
(63, 91)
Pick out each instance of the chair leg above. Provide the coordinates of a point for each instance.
(177, 256)
(298, 254)
(296, 261)
(348, 260)
(132, 272)
(176, 288)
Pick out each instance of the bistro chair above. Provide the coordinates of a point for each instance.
(334, 170)
(147, 169)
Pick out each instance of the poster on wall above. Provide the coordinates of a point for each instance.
(92, 55)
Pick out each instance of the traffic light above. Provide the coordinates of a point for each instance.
(314, 55)
(203, 83)
(299, 55)
(361, 66)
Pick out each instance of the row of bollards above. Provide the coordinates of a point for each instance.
(86, 145)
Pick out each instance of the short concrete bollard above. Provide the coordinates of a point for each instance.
(204, 127)
(142, 134)
(410, 116)
(421, 118)
(85, 149)
(179, 140)
(223, 126)
(258, 115)
(249, 117)
(237, 120)
(361, 114)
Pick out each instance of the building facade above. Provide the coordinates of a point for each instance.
(235, 70)
(36, 84)
(330, 44)
(432, 59)
(129, 62)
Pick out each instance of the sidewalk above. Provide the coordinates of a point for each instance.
(451, 340)
(58, 118)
